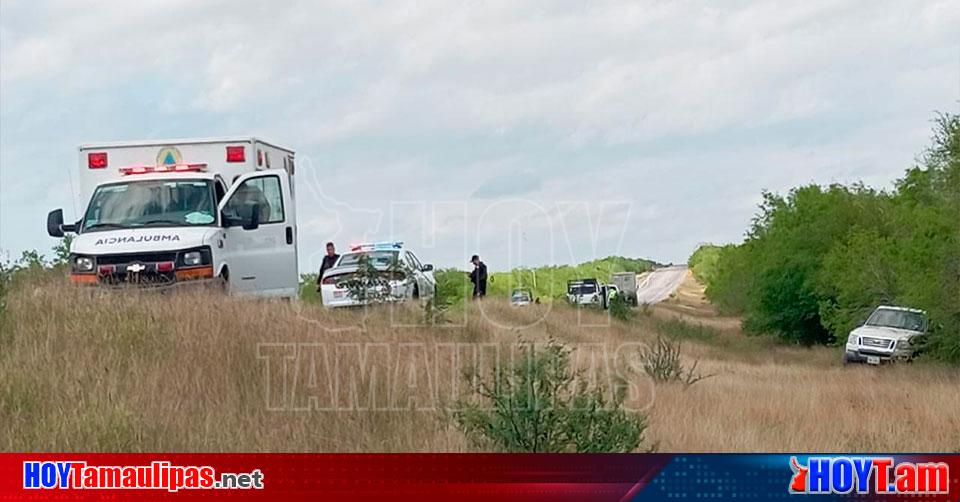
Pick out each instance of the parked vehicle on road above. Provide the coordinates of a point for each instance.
(626, 283)
(168, 213)
(889, 334)
(584, 292)
(397, 275)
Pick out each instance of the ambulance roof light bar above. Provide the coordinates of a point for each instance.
(168, 168)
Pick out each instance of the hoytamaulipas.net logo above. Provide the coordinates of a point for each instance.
(158, 475)
(868, 475)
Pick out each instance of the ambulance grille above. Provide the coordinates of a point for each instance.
(123, 259)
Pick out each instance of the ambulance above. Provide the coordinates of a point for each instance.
(163, 214)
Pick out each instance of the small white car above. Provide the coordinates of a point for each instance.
(889, 334)
(403, 276)
(521, 298)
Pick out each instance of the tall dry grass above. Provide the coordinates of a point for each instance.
(134, 371)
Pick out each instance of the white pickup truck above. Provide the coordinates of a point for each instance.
(889, 334)
(166, 213)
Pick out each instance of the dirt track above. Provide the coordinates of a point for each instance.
(689, 302)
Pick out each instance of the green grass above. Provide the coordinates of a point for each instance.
(683, 330)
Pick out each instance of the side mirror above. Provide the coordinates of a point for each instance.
(55, 226)
(253, 222)
(427, 267)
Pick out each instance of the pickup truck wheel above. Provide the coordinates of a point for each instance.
(845, 358)
(416, 292)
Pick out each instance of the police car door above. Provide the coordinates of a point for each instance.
(260, 251)
(425, 281)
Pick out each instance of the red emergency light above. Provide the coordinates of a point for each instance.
(165, 266)
(236, 154)
(163, 169)
(97, 160)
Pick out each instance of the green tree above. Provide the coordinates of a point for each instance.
(817, 260)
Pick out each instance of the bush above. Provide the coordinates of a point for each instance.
(620, 308)
(453, 287)
(703, 262)
(662, 363)
(537, 405)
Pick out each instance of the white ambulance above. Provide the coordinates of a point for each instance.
(167, 213)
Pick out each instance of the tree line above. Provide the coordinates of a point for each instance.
(816, 261)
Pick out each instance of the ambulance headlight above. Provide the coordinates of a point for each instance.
(83, 264)
(192, 258)
(852, 339)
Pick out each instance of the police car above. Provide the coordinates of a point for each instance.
(398, 275)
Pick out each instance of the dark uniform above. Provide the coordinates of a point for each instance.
(479, 279)
(328, 261)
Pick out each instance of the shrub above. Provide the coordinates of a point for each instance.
(453, 287)
(537, 405)
(370, 284)
(662, 362)
(620, 308)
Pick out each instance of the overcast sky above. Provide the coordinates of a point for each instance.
(529, 132)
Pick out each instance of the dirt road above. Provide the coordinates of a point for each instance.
(657, 285)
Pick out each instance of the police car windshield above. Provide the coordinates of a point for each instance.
(150, 203)
(899, 319)
(377, 258)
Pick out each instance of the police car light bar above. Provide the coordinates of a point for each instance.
(169, 168)
(377, 246)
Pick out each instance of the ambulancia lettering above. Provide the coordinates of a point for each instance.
(133, 239)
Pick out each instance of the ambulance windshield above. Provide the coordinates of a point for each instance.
(151, 203)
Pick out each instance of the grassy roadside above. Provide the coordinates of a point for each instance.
(146, 372)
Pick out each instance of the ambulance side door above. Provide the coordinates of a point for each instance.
(259, 247)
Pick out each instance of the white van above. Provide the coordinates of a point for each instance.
(168, 213)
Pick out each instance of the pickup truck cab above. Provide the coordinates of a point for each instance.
(889, 334)
(584, 292)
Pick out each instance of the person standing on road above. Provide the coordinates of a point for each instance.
(328, 261)
(478, 277)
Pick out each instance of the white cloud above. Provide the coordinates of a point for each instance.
(594, 100)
